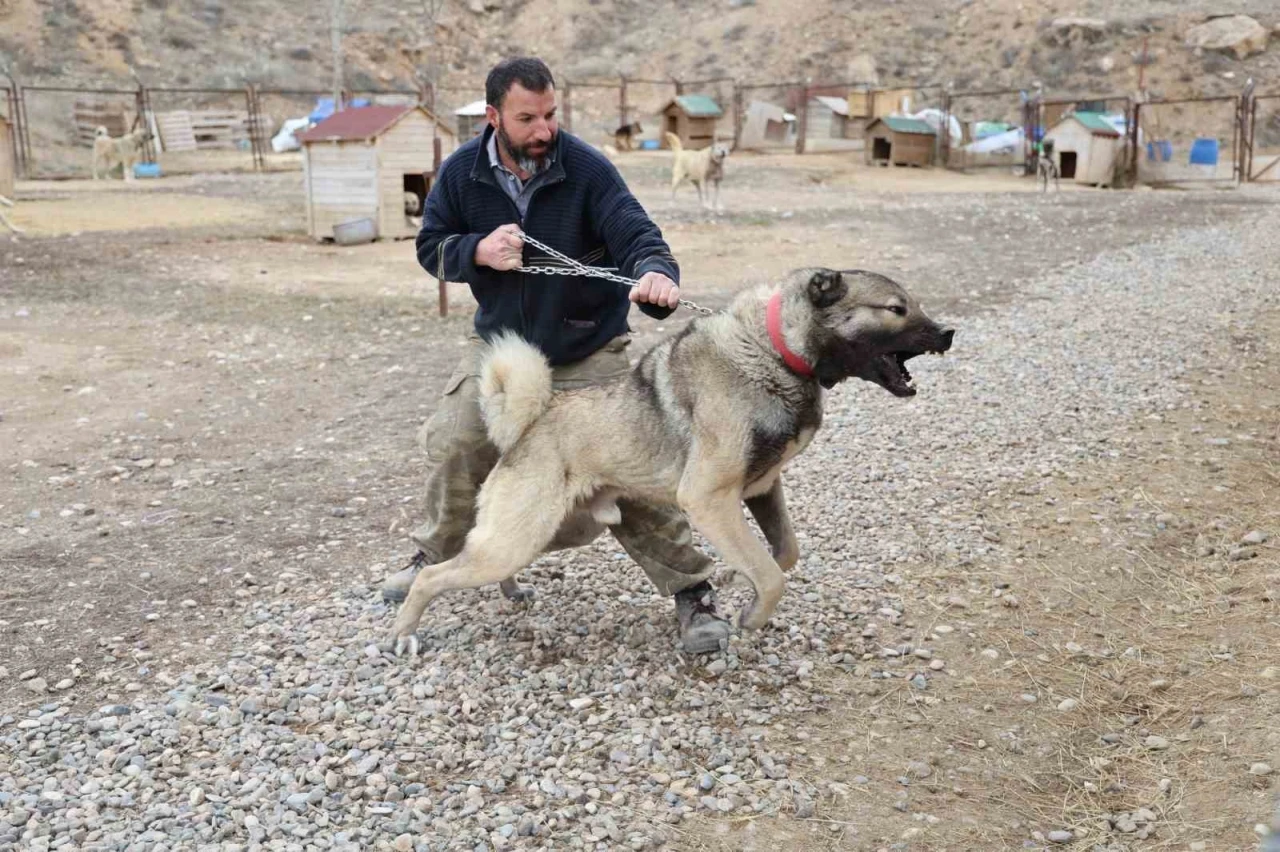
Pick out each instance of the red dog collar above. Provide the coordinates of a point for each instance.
(773, 321)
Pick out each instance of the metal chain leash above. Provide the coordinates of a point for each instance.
(573, 267)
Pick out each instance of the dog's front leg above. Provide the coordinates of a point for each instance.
(717, 514)
(770, 511)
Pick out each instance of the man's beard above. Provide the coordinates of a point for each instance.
(521, 154)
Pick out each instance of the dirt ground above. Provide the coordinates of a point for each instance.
(199, 405)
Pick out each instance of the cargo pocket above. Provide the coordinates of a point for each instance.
(440, 432)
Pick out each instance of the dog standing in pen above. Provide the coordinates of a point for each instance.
(1046, 167)
(125, 150)
(702, 167)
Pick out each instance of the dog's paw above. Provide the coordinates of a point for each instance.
(513, 591)
(753, 616)
(407, 646)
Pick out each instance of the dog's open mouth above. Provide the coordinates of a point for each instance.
(892, 373)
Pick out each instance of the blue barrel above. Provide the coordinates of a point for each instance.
(146, 170)
(1204, 152)
(1161, 150)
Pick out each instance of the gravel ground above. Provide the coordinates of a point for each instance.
(575, 721)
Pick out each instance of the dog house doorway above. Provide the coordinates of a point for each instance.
(1067, 165)
(415, 184)
(881, 149)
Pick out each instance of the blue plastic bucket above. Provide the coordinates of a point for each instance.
(146, 170)
(1204, 152)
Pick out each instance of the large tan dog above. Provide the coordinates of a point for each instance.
(701, 167)
(125, 150)
(706, 421)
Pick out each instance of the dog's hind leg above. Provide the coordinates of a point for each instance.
(518, 514)
(770, 511)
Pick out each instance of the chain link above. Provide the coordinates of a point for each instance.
(573, 267)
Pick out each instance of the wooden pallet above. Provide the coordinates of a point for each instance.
(203, 130)
(89, 114)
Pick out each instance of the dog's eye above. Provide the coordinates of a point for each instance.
(897, 309)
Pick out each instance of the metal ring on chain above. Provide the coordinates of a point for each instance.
(573, 267)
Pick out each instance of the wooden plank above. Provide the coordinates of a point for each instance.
(175, 130)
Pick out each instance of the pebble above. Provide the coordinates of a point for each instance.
(1060, 836)
(1155, 743)
(1260, 769)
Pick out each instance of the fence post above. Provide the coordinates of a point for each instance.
(1133, 167)
(255, 127)
(28, 168)
(622, 102)
(738, 116)
(568, 106)
(802, 125)
(944, 133)
(679, 87)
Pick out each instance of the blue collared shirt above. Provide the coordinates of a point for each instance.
(519, 190)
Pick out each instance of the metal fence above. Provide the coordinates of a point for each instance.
(1188, 140)
(1216, 139)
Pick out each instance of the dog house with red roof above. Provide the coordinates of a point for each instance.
(364, 162)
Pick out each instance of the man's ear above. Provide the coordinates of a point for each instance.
(826, 287)
(491, 115)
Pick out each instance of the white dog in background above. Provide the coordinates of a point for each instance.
(124, 150)
(704, 166)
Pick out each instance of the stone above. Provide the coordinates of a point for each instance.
(1238, 35)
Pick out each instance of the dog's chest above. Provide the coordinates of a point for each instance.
(777, 439)
(761, 480)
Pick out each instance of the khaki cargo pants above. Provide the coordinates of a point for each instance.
(460, 456)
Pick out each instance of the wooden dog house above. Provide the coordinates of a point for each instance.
(360, 162)
(893, 140)
(693, 119)
(1085, 148)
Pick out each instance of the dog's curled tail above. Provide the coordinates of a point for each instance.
(673, 142)
(515, 388)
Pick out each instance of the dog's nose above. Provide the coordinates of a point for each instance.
(947, 334)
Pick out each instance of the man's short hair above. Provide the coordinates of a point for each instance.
(528, 71)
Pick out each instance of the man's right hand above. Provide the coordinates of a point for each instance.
(502, 249)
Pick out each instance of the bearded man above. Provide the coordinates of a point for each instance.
(524, 175)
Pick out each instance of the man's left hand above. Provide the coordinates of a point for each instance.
(655, 288)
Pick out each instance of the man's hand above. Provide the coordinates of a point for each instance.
(656, 289)
(501, 250)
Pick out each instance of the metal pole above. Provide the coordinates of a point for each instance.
(335, 39)
(568, 106)
(802, 126)
(737, 115)
(28, 167)
(622, 102)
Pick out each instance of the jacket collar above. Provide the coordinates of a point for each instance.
(482, 169)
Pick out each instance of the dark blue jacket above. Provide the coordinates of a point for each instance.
(583, 209)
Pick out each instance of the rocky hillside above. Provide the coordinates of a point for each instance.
(1075, 47)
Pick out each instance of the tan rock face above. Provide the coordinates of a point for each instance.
(1238, 35)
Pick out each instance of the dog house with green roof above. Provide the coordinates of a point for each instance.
(693, 119)
(1086, 148)
(894, 140)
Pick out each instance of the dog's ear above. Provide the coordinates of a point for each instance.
(826, 287)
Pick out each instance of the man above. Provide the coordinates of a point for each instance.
(524, 176)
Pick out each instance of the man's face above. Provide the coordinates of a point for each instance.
(526, 126)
